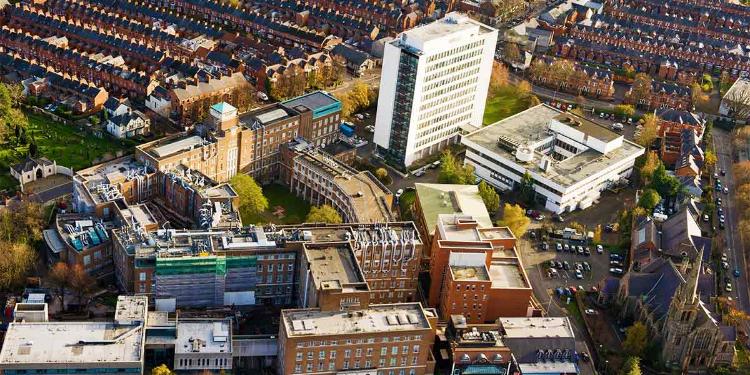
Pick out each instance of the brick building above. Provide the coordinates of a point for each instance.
(230, 142)
(471, 266)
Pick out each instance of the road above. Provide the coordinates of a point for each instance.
(732, 234)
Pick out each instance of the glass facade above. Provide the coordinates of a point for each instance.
(402, 107)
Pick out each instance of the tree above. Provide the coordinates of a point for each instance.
(22, 224)
(560, 71)
(710, 159)
(499, 77)
(381, 174)
(59, 277)
(252, 200)
(649, 199)
(697, 96)
(533, 101)
(515, 219)
(161, 370)
(511, 52)
(598, 234)
(649, 131)
(624, 110)
(632, 366)
(81, 283)
(16, 260)
(636, 338)
(651, 162)
(452, 172)
(323, 214)
(338, 69)
(641, 88)
(741, 172)
(539, 71)
(489, 197)
(664, 184)
(33, 149)
(526, 188)
(524, 89)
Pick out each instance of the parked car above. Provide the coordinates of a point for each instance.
(545, 246)
(615, 263)
(599, 249)
(736, 272)
(616, 271)
(435, 164)
(579, 275)
(559, 265)
(590, 312)
(705, 217)
(558, 247)
(615, 257)
(359, 116)
(566, 265)
(580, 250)
(724, 257)
(725, 265)
(586, 252)
(399, 192)
(586, 266)
(728, 287)
(566, 247)
(726, 191)
(552, 264)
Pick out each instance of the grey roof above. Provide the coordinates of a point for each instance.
(679, 116)
(656, 285)
(311, 101)
(679, 233)
(350, 54)
(30, 163)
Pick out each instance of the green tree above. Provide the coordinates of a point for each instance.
(533, 101)
(381, 174)
(624, 110)
(636, 339)
(649, 131)
(252, 201)
(453, 172)
(514, 218)
(632, 366)
(664, 184)
(649, 199)
(526, 188)
(16, 260)
(489, 197)
(161, 370)
(650, 164)
(323, 214)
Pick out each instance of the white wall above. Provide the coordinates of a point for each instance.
(386, 95)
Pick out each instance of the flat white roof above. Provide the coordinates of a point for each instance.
(376, 318)
(453, 24)
(211, 336)
(79, 343)
(536, 327)
(177, 146)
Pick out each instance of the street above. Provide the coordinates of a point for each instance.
(731, 235)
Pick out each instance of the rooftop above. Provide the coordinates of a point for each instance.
(319, 102)
(377, 318)
(266, 115)
(203, 337)
(507, 274)
(522, 137)
(333, 266)
(536, 327)
(469, 273)
(437, 199)
(452, 24)
(131, 309)
(82, 344)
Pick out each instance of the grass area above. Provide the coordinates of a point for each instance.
(280, 199)
(502, 103)
(573, 310)
(66, 144)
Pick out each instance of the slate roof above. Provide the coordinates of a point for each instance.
(655, 285)
(30, 163)
(351, 54)
(680, 117)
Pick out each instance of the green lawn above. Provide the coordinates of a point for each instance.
(294, 208)
(502, 103)
(66, 144)
(406, 204)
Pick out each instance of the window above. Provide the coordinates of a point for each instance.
(369, 352)
(142, 276)
(299, 356)
(358, 353)
(298, 368)
(347, 353)
(322, 354)
(383, 350)
(394, 350)
(346, 364)
(309, 356)
(333, 354)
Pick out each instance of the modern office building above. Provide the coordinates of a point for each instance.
(434, 84)
(570, 159)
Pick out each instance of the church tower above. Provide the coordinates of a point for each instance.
(683, 311)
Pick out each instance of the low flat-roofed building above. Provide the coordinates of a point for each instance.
(380, 337)
(571, 159)
(469, 259)
(203, 345)
(331, 279)
(476, 348)
(77, 347)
